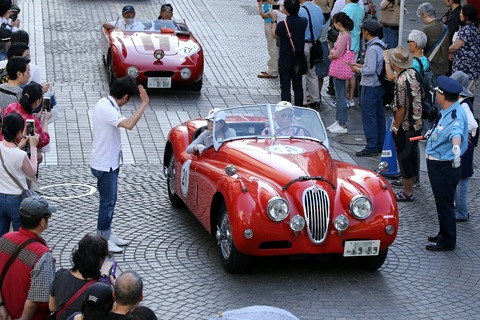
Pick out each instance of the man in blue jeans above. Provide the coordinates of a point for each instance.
(106, 150)
(373, 113)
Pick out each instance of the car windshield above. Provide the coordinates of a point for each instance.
(163, 25)
(269, 122)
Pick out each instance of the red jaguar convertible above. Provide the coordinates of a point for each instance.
(161, 56)
(274, 189)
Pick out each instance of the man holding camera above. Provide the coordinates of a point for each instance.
(24, 287)
(106, 150)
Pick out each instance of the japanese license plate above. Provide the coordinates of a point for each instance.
(361, 248)
(159, 82)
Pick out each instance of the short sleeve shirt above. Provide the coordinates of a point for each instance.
(408, 94)
(106, 135)
(136, 26)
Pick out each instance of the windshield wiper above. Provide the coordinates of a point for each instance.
(305, 178)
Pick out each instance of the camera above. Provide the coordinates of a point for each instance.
(15, 11)
(30, 129)
(47, 104)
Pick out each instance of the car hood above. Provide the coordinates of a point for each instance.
(280, 160)
(147, 43)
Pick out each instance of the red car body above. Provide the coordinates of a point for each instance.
(300, 170)
(182, 53)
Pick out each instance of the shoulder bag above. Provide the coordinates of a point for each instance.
(390, 16)
(437, 45)
(339, 68)
(299, 60)
(26, 193)
(316, 50)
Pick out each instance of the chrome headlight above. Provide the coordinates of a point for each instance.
(341, 223)
(278, 209)
(132, 71)
(159, 54)
(297, 223)
(361, 207)
(185, 73)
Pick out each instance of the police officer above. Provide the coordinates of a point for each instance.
(448, 140)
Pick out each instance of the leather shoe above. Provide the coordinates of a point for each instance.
(433, 239)
(366, 153)
(438, 247)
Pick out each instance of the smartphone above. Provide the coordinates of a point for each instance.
(108, 268)
(47, 104)
(30, 127)
(275, 7)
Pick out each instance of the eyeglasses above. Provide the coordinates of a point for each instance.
(286, 115)
(439, 90)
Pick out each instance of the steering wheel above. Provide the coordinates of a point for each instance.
(296, 129)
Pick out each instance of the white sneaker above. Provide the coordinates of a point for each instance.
(350, 103)
(339, 129)
(336, 126)
(112, 247)
(118, 241)
(332, 125)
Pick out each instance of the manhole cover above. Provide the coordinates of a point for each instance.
(352, 139)
(67, 191)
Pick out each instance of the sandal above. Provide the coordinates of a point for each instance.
(401, 196)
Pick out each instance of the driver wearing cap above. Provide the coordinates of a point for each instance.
(128, 23)
(283, 121)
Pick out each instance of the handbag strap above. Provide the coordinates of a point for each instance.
(11, 175)
(310, 24)
(74, 297)
(13, 257)
(438, 44)
(289, 35)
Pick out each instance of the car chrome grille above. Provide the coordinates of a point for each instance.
(316, 208)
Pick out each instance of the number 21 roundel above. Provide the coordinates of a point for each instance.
(185, 177)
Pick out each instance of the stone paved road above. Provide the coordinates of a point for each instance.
(174, 254)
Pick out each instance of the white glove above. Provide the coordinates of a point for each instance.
(456, 150)
(200, 148)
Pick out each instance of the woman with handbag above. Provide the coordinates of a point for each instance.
(14, 169)
(341, 57)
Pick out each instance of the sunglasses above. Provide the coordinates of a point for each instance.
(287, 115)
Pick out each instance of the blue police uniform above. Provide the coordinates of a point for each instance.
(443, 171)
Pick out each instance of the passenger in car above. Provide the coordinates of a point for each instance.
(166, 12)
(128, 23)
(283, 121)
(205, 139)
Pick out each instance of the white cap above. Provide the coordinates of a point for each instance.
(283, 105)
(220, 114)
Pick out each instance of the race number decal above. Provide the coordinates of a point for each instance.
(185, 177)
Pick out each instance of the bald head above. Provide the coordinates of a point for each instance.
(128, 288)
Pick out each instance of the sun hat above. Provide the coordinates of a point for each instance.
(400, 57)
(463, 79)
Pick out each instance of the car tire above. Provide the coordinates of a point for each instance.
(375, 262)
(111, 76)
(197, 86)
(172, 196)
(232, 260)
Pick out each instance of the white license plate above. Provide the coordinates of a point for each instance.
(361, 248)
(159, 82)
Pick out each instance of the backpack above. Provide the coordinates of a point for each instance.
(3, 75)
(428, 83)
(388, 86)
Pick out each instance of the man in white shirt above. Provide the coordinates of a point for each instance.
(128, 23)
(106, 150)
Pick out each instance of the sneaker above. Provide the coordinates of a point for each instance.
(334, 105)
(339, 129)
(332, 125)
(350, 103)
(118, 241)
(112, 247)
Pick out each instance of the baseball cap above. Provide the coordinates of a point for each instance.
(99, 296)
(220, 115)
(283, 105)
(128, 8)
(36, 207)
(5, 34)
(372, 26)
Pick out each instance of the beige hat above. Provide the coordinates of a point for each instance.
(323, 4)
(282, 105)
(400, 57)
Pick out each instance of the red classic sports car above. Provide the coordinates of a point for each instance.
(273, 189)
(164, 54)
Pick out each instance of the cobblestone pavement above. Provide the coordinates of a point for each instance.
(170, 249)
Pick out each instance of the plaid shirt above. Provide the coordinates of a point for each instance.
(41, 277)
